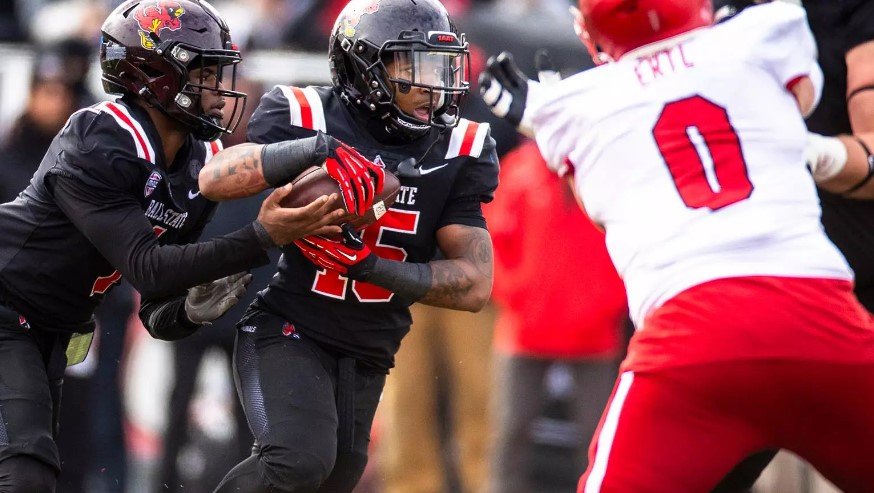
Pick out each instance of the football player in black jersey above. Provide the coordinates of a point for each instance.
(117, 195)
(313, 350)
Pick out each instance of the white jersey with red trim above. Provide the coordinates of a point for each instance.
(690, 153)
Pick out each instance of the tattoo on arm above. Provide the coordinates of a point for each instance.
(235, 173)
(464, 281)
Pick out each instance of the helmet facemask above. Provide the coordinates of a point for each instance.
(439, 73)
(215, 70)
(436, 64)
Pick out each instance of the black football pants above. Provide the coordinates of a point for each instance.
(309, 410)
(32, 364)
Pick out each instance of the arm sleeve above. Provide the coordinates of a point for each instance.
(165, 319)
(271, 121)
(474, 185)
(114, 222)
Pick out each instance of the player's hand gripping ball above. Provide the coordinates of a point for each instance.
(367, 189)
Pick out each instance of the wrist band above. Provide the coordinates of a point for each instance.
(264, 239)
(281, 162)
(869, 175)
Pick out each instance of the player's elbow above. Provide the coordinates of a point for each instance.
(209, 188)
(479, 296)
(806, 95)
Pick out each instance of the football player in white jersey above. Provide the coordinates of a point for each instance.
(687, 145)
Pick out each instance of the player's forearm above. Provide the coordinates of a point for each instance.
(455, 284)
(166, 319)
(856, 178)
(247, 169)
(461, 282)
(464, 280)
(126, 239)
(458, 284)
(233, 173)
(162, 270)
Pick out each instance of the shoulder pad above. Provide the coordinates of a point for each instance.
(468, 139)
(305, 107)
(144, 148)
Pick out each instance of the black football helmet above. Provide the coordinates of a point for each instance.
(416, 34)
(148, 48)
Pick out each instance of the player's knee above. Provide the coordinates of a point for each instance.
(297, 472)
(25, 474)
(346, 473)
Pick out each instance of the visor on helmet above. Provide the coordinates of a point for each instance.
(437, 62)
(435, 70)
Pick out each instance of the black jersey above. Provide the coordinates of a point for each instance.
(99, 206)
(839, 26)
(459, 172)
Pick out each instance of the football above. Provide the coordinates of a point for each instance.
(315, 182)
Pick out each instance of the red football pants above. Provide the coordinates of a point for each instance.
(682, 429)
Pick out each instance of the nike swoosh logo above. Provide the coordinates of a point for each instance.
(424, 171)
(192, 194)
(350, 257)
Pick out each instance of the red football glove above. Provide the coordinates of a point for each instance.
(360, 179)
(331, 254)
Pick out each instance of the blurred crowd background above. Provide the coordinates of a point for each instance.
(501, 401)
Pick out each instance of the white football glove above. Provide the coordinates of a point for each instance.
(211, 300)
(825, 156)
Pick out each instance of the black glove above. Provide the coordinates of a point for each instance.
(505, 89)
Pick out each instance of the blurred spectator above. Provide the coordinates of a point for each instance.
(52, 21)
(559, 330)
(187, 356)
(10, 27)
(51, 101)
(445, 359)
(275, 24)
(76, 59)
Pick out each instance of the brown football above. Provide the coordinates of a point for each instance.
(315, 182)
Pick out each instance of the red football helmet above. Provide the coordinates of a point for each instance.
(611, 28)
